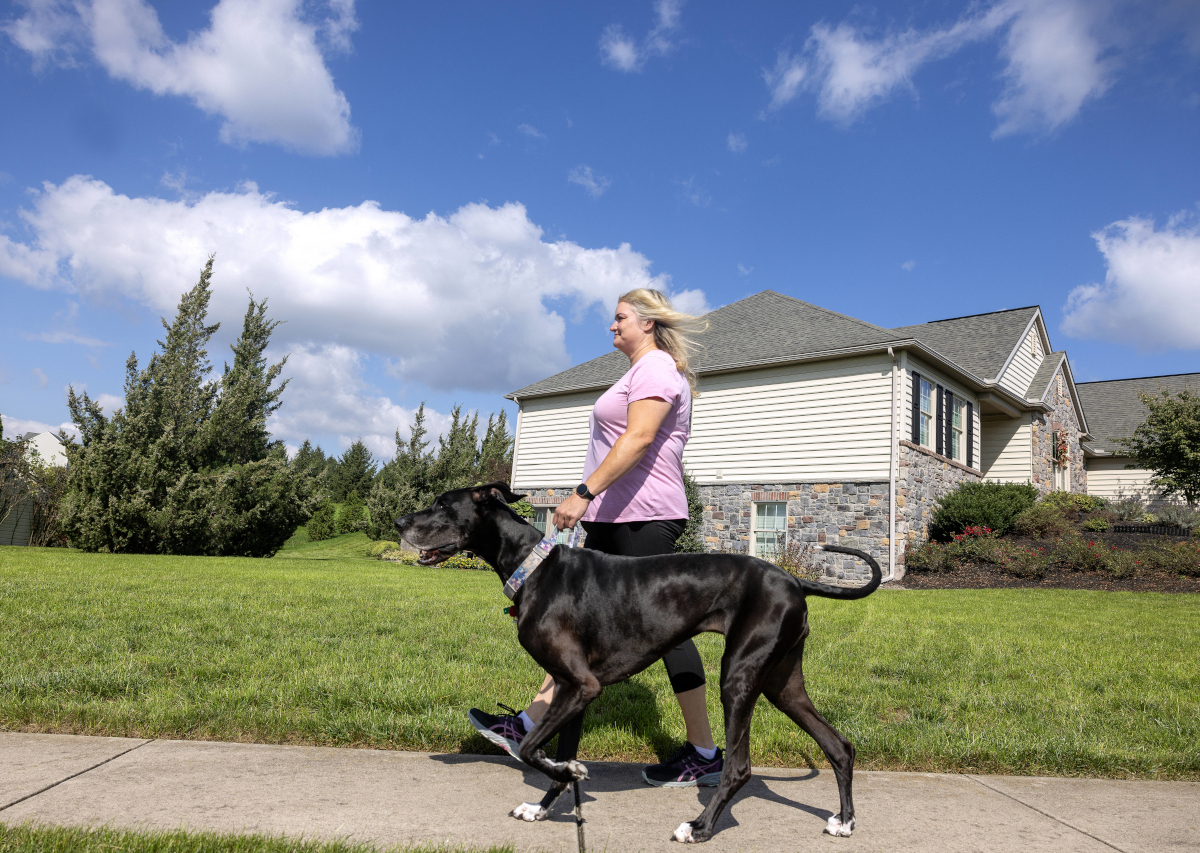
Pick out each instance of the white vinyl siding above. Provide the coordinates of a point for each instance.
(1107, 477)
(960, 393)
(1025, 364)
(1007, 448)
(553, 439)
(826, 421)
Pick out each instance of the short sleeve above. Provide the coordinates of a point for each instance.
(654, 376)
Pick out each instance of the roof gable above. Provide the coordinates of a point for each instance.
(981, 343)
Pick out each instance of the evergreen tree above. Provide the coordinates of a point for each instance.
(495, 453)
(355, 472)
(353, 516)
(690, 540)
(186, 466)
(321, 525)
(458, 454)
(404, 484)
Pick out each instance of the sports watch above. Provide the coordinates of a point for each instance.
(582, 491)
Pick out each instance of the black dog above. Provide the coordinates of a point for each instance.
(591, 619)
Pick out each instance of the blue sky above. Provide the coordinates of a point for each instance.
(442, 201)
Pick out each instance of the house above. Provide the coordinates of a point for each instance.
(1115, 411)
(16, 527)
(832, 429)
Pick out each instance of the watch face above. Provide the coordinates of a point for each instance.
(581, 490)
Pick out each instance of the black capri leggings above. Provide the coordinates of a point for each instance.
(646, 539)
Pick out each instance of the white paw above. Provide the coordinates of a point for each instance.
(577, 770)
(528, 811)
(684, 834)
(837, 829)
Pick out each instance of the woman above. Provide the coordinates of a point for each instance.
(632, 503)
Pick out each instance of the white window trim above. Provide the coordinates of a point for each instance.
(928, 436)
(754, 531)
(960, 407)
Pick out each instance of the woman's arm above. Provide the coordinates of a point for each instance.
(645, 418)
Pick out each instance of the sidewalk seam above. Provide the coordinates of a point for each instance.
(74, 775)
(1044, 813)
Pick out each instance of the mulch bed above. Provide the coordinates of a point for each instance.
(987, 576)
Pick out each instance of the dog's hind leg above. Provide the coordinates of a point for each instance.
(785, 690)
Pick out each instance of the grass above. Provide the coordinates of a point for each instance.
(320, 646)
(32, 838)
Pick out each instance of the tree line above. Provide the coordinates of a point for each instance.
(187, 466)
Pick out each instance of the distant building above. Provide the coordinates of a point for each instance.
(15, 528)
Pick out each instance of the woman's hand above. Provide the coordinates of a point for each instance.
(569, 512)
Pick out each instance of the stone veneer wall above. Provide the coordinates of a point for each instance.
(850, 514)
(1061, 418)
(924, 478)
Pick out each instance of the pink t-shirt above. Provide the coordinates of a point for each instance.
(653, 489)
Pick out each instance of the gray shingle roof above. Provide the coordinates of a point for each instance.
(980, 343)
(770, 327)
(1114, 410)
(1045, 372)
(763, 328)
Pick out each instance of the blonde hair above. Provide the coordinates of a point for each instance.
(674, 331)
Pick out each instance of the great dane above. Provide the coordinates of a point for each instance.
(591, 619)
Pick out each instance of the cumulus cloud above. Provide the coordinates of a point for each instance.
(591, 181)
(14, 426)
(327, 395)
(39, 377)
(1057, 55)
(1150, 297)
(259, 65)
(736, 142)
(622, 52)
(456, 301)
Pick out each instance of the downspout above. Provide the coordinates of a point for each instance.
(516, 443)
(893, 464)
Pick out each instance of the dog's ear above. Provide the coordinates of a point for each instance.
(498, 490)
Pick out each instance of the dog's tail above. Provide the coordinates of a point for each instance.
(846, 593)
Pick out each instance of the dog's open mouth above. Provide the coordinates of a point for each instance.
(430, 556)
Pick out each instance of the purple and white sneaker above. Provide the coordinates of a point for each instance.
(505, 730)
(687, 768)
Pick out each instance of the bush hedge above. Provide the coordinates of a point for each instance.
(321, 526)
(987, 504)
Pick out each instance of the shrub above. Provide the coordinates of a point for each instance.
(1096, 524)
(524, 509)
(321, 525)
(1178, 515)
(978, 545)
(798, 559)
(1076, 554)
(1042, 520)
(378, 549)
(353, 516)
(986, 504)
(1022, 562)
(1075, 501)
(1173, 557)
(1128, 509)
(466, 560)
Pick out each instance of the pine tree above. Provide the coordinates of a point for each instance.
(458, 454)
(403, 485)
(495, 453)
(689, 541)
(186, 466)
(355, 472)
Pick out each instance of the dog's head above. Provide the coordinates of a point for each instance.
(459, 520)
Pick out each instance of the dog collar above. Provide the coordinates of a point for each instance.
(539, 553)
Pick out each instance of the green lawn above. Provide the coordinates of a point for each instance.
(319, 645)
(28, 838)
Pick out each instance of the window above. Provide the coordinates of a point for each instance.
(770, 526)
(957, 426)
(927, 404)
(543, 520)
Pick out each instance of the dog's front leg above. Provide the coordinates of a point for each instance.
(570, 701)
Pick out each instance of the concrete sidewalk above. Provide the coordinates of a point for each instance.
(409, 797)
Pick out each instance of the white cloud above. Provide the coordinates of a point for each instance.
(1055, 53)
(737, 142)
(1150, 297)
(591, 181)
(530, 130)
(695, 193)
(110, 402)
(327, 395)
(259, 65)
(456, 301)
(39, 376)
(62, 337)
(14, 427)
(744, 270)
(623, 53)
(908, 266)
(1056, 63)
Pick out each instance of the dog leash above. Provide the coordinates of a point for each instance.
(539, 553)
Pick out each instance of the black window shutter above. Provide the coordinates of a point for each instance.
(949, 424)
(916, 409)
(970, 436)
(938, 422)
